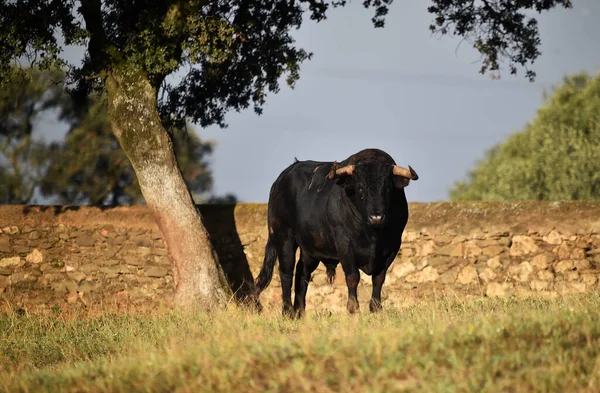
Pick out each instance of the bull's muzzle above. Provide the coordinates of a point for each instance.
(376, 219)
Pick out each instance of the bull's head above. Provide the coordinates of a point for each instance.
(370, 184)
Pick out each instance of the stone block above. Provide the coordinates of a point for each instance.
(494, 262)
(426, 275)
(589, 279)
(571, 275)
(495, 289)
(425, 248)
(523, 245)
(538, 285)
(582, 264)
(564, 266)
(402, 269)
(468, 275)
(545, 275)
(35, 256)
(155, 271)
(540, 261)
(85, 241)
(553, 238)
(5, 245)
(77, 276)
(487, 275)
(10, 262)
(492, 251)
(450, 276)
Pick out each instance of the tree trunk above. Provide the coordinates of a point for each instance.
(132, 110)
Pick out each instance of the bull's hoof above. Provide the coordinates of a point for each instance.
(288, 312)
(299, 313)
(375, 306)
(352, 306)
(252, 302)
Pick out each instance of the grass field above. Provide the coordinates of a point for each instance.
(488, 345)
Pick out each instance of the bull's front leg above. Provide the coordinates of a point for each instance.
(352, 280)
(377, 280)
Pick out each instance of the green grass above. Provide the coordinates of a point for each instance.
(488, 345)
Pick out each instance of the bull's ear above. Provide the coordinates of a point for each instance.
(346, 182)
(401, 182)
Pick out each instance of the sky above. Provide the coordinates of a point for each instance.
(416, 96)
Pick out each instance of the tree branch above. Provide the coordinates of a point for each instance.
(92, 14)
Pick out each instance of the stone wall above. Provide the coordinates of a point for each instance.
(77, 256)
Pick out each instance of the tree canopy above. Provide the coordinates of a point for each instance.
(235, 51)
(555, 157)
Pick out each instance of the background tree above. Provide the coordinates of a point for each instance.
(555, 157)
(88, 166)
(235, 51)
(23, 158)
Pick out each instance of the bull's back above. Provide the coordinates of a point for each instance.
(299, 195)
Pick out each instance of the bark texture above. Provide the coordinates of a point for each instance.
(136, 124)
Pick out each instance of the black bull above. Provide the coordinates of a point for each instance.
(354, 212)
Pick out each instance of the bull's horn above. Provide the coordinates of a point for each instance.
(345, 170)
(407, 173)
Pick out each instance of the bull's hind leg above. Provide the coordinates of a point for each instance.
(304, 269)
(286, 251)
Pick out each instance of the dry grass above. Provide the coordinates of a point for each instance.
(488, 345)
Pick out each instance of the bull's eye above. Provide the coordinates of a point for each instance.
(361, 192)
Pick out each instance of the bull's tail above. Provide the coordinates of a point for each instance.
(266, 272)
(330, 273)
